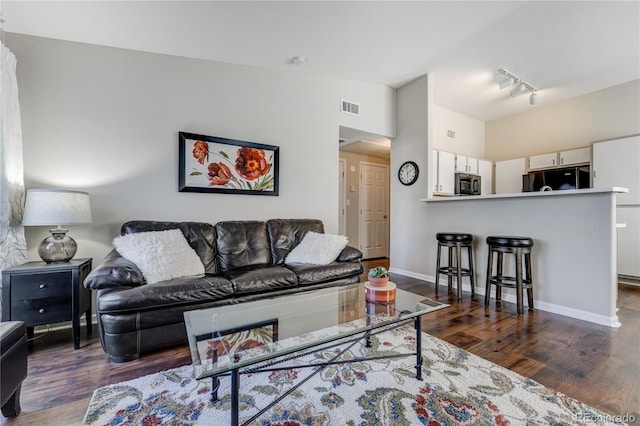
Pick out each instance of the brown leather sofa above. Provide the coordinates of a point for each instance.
(13, 365)
(243, 261)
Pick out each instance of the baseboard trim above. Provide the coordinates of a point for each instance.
(612, 322)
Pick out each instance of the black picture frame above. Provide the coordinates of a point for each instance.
(229, 166)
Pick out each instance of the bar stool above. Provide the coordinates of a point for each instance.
(455, 242)
(520, 247)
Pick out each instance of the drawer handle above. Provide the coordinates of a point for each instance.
(43, 285)
(41, 311)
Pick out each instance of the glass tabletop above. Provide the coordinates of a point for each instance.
(241, 335)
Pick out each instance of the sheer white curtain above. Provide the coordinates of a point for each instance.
(13, 247)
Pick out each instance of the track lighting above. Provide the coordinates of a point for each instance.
(518, 90)
(521, 86)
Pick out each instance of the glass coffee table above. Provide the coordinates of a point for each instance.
(265, 334)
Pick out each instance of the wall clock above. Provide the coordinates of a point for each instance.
(408, 173)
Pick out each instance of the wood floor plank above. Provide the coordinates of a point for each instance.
(595, 364)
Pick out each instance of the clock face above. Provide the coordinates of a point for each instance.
(408, 173)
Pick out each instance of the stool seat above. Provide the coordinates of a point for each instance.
(453, 237)
(510, 241)
(455, 242)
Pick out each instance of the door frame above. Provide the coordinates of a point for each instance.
(342, 196)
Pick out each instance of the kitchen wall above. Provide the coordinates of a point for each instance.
(469, 133)
(352, 171)
(105, 120)
(606, 114)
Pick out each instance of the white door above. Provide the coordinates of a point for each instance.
(485, 170)
(509, 176)
(446, 172)
(374, 210)
(342, 186)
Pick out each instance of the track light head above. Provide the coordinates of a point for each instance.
(533, 98)
(509, 81)
(518, 90)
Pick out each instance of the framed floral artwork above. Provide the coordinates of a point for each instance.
(215, 164)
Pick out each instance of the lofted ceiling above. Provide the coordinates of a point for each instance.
(565, 49)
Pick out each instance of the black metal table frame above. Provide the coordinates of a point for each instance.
(346, 338)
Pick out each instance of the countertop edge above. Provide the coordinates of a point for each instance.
(567, 192)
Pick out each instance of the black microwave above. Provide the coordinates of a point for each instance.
(467, 184)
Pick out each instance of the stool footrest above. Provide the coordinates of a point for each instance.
(451, 270)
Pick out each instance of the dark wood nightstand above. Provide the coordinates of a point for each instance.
(38, 293)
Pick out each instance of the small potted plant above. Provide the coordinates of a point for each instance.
(378, 276)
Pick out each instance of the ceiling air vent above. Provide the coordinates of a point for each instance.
(349, 107)
(451, 134)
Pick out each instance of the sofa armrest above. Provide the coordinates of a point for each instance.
(349, 254)
(114, 271)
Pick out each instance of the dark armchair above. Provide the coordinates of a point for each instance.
(13, 365)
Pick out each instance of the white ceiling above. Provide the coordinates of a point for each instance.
(565, 49)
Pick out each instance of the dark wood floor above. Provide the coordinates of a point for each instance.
(595, 364)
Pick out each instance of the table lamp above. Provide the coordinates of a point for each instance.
(47, 207)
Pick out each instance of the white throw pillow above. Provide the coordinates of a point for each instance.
(160, 255)
(317, 249)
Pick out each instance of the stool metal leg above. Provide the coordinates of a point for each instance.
(499, 276)
(449, 276)
(519, 289)
(487, 291)
(438, 268)
(459, 269)
(527, 263)
(471, 271)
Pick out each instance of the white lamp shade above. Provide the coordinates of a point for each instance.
(46, 207)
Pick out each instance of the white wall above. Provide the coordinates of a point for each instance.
(606, 114)
(469, 132)
(105, 120)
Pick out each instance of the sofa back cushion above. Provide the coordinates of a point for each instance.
(285, 234)
(200, 236)
(242, 243)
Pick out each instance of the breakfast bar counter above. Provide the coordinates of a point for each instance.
(574, 253)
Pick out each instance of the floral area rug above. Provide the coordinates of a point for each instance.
(458, 388)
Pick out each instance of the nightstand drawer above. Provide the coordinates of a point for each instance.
(42, 311)
(40, 286)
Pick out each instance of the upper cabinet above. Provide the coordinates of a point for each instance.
(466, 164)
(485, 170)
(575, 156)
(509, 175)
(561, 159)
(543, 161)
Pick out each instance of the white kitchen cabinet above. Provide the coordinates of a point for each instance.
(466, 164)
(485, 170)
(628, 240)
(543, 161)
(617, 163)
(575, 156)
(509, 175)
(444, 171)
(461, 163)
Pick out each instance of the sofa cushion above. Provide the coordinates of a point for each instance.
(242, 243)
(315, 274)
(285, 234)
(160, 255)
(317, 249)
(261, 278)
(175, 292)
(200, 236)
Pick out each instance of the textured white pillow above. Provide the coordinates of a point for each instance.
(317, 249)
(160, 255)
